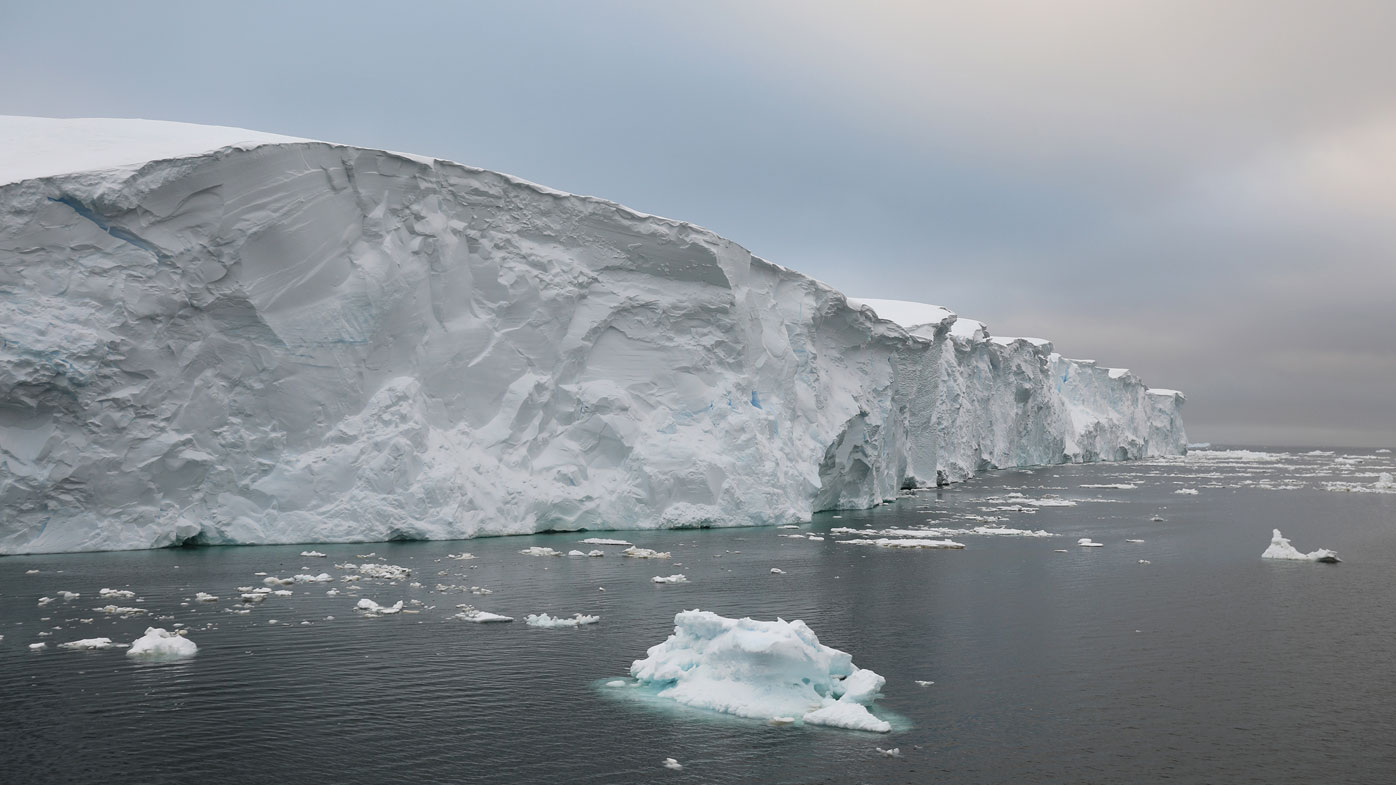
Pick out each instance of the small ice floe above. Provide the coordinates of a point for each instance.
(576, 553)
(1383, 451)
(313, 554)
(480, 590)
(254, 596)
(921, 683)
(204, 596)
(323, 577)
(1145, 561)
(90, 644)
(1134, 541)
(910, 543)
(596, 554)
(1087, 542)
(332, 593)
(791, 525)
(1157, 519)
(1119, 486)
(554, 622)
(1281, 549)
(117, 610)
(760, 669)
(116, 594)
(69, 595)
(777, 571)
(677, 577)
(283, 592)
(38, 646)
(1186, 491)
(895, 752)
(389, 572)
(603, 541)
(46, 600)
(670, 763)
(1384, 481)
(635, 552)
(460, 556)
(537, 550)
(371, 608)
(31, 572)
(617, 683)
(274, 581)
(158, 644)
(1060, 550)
(476, 616)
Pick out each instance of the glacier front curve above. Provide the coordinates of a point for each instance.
(305, 342)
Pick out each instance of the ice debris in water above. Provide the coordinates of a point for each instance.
(159, 644)
(1186, 491)
(38, 646)
(670, 763)
(544, 620)
(313, 554)
(204, 596)
(390, 572)
(69, 595)
(116, 594)
(460, 556)
(777, 571)
(645, 553)
(760, 669)
(472, 614)
(604, 541)
(323, 577)
(1087, 542)
(540, 551)
(895, 752)
(371, 608)
(677, 577)
(883, 542)
(1281, 549)
(91, 644)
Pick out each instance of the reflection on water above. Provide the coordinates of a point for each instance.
(1204, 665)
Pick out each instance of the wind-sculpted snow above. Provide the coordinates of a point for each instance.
(290, 341)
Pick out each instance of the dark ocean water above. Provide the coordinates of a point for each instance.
(1206, 665)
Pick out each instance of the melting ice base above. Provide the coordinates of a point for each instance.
(762, 670)
(224, 337)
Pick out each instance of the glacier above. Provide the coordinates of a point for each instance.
(210, 335)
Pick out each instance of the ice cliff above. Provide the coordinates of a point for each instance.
(219, 336)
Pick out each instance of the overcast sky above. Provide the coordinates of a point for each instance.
(1204, 192)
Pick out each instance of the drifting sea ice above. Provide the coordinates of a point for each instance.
(158, 644)
(90, 644)
(554, 622)
(472, 614)
(604, 541)
(371, 608)
(883, 542)
(1281, 549)
(1087, 542)
(313, 554)
(540, 551)
(761, 670)
(645, 553)
(677, 577)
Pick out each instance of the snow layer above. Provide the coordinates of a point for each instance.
(158, 644)
(287, 341)
(760, 669)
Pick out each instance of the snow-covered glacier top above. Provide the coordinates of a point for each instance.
(45, 146)
(222, 336)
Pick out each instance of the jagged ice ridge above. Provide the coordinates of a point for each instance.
(220, 336)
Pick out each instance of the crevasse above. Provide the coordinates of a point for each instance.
(294, 341)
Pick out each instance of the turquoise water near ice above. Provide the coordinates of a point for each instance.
(1205, 665)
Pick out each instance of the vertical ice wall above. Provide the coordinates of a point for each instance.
(302, 342)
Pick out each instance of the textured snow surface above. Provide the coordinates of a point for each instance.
(291, 341)
(760, 669)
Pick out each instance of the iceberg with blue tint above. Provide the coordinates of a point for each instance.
(760, 669)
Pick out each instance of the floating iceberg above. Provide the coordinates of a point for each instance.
(326, 343)
(371, 608)
(474, 615)
(675, 578)
(540, 551)
(1281, 549)
(158, 644)
(762, 670)
(544, 620)
(644, 553)
(1087, 542)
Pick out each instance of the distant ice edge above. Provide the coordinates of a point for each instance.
(305, 342)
